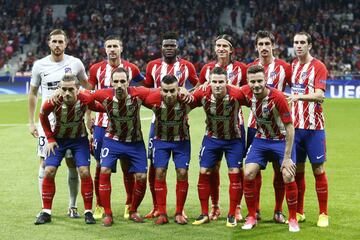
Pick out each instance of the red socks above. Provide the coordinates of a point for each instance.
(242, 185)
(182, 187)
(129, 185)
(321, 184)
(96, 185)
(161, 192)
(234, 191)
(291, 198)
(214, 187)
(105, 192)
(279, 190)
(250, 196)
(300, 182)
(152, 184)
(258, 183)
(48, 192)
(87, 192)
(138, 194)
(204, 192)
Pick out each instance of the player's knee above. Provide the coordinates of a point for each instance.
(318, 168)
(287, 177)
(182, 174)
(160, 173)
(234, 170)
(207, 171)
(140, 177)
(250, 174)
(105, 170)
(84, 172)
(50, 172)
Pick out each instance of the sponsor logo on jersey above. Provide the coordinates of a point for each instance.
(67, 70)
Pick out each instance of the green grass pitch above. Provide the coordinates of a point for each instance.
(20, 201)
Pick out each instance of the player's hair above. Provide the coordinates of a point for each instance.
(218, 71)
(71, 78)
(169, 35)
(120, 70)
(264, 34)
(169, 79)
(227, 38)
(113, 37)
(308, 36)
(255, 69)
(58, 32)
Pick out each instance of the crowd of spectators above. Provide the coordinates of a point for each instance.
(334, 26)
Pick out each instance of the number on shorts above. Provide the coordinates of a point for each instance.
(95, 143)
(202, 151)
(104, 152)
(41, 141)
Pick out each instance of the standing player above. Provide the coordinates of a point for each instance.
(277, 74)
(221, 104)
(273, 140)
(69, 132)
(123, 140)
(100, 74)
(307, 93)
(236, 75)
(171, 137)
(46, 74)
(169, 64)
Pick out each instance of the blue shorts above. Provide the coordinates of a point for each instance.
(250, 136)
(79, 148)
(151, 139)
(112, 150)
(162, 151)
(261, 151)
(243, 137)
(98, 135)
(310, 143)
(212, 149)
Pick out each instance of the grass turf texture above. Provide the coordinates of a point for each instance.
(20, 200)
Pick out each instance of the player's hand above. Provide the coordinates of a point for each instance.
(204, 86)
(292, 98)
(50, 148)
(185, 96)
(55, 98)
(90, 123)
(33, 130)
(289, 166)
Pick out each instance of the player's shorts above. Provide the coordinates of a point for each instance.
(162, 152)
(261, 150)
(212, 149)
(113, 150)
(79, 147)
(43, 143)
(151, 139)
(250, 136)
(311, 144)
(98, 135)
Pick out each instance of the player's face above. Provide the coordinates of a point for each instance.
(113, 49)
(218, 85)
(264, 47)
(301, 45)
(57, 45)
(120, 83)
(69, 92)
(223, 49)
(169, 48)
(169, 92)
(257, 83)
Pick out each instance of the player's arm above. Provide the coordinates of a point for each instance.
(193, 78)
(45, 110)
(288, 164)
(83, 78)
(149, 81)
(318, 96)
(33, 98)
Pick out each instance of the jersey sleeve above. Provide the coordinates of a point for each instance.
(35, 76)
(81, 74)
(320, 77)
(141, 92)
(92, 77)
(153, 98)
(149, 81)
(287, 68)
(45, 110)
(202, 77)
(137, 76)
(193, 78)
(283, 108)
(89, 100)
(243, 80)
(239, 95)
(197, 97)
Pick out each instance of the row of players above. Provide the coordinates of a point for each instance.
(306, 74)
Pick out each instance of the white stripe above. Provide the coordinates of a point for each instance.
(13, 100)
(270, 69)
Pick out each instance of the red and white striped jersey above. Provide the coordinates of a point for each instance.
(271, 113)
(305, 79)
(69, 123)
(171, 122)
(124, 114)
(278, 74)
(236, 73)
(183, 70)
(222, 115)
(100, 78)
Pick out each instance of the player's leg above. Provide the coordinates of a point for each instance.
(129, 181)
(73, 184)
(234, 149)
(300, 172)
(98, 136)
(42, 142)
(181, 153)
(214, 191)
(209, 153)
(279, 190)
(316, 148)
(137, 154)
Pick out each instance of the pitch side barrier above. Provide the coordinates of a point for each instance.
(334, 88)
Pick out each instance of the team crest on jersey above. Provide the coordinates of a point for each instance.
(178, 74)
(67, 70)
(266, 110)
(230, 75)
(273, 74)
(303, 75)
